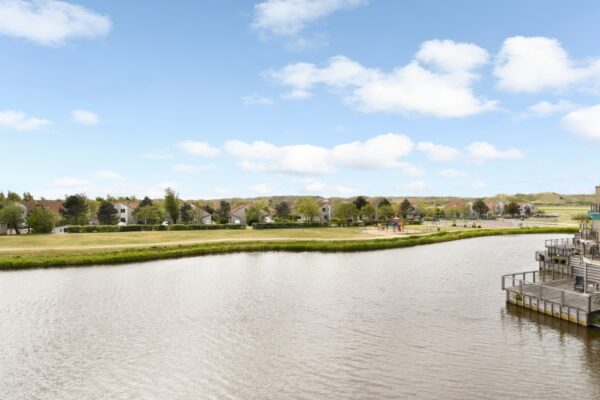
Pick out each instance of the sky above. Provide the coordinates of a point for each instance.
(224, 98)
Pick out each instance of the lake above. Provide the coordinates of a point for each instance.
(426, 322)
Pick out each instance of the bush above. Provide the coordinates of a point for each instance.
(139, 228)
(290, 225)
(41, 220)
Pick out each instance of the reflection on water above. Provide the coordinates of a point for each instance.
(409, 323)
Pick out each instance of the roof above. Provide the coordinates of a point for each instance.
(53, 205)
(130, 204)
(238, 209)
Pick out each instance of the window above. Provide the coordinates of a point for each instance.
(122, 219)
(122, 211)
(324, 209)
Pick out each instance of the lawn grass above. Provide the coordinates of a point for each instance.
(49, 256)
(565, 213)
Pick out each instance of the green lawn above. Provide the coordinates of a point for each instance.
(30, 251)
(565, 213)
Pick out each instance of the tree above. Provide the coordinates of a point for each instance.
(384, 202)
(107, 213)
(405, 207)
(369, 212)
(222, 213)
(12, 216)
(146, 202)
(360, 202)
(74, 209)
(386, 212)
(254, 211)
(27, 196)
(149, 214)
(282, 211)
(512, 209)
(209, 209)
(307, 207)
(480, 208)
(41, 220)
(171, 205)
(12, 196)
(345, 211)
(187, 213)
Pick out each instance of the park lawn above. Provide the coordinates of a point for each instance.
(134, 239)
(565, 213)
(144, 246)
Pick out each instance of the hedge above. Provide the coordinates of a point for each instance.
(290, 225)
(139, 228)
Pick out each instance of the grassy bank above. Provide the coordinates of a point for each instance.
(57, 258)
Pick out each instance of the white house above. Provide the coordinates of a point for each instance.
(125, 213)
(325, 211)
(3, 229)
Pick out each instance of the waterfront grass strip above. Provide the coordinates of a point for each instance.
(59, 258)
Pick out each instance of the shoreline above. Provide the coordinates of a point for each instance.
(54, 259)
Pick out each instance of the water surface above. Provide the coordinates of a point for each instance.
(428, 322)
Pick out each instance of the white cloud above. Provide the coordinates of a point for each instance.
(20, 121)
(109, 175)
(452, 173)
(444, 91)
(202, 149)
(314, 185)
(256, 100)
(482, 151)
(383, 151)
(289, 17)
(266, 157)
(50, 22)
(409, 169)
(68, 181)
(584, 122)
(544, 108)
(415, 186)
(193, 169)
(438, 152)
(85, 117)
(451, 56)
(262, 188)
(531, 64)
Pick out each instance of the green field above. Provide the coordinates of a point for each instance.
(565, 213)
(35, 251)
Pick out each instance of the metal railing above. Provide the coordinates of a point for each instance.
(532, 285)
(595, 207)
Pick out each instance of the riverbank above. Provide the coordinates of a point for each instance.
(80, 256)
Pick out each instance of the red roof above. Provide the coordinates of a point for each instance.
(52, 205)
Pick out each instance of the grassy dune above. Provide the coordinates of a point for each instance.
(64, 251)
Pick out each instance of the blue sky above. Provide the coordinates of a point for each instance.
(324, 97)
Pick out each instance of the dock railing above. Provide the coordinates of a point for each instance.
(535, 286)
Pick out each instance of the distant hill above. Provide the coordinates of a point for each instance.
(546, 199)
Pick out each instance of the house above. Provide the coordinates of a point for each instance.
(238, 215)
(201, 216)
(125, 212)
(268, 219)
(527, 208)
(53, 205)
(325, 211)
(3, 229)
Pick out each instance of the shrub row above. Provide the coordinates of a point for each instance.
(290, 225)
(139, 228)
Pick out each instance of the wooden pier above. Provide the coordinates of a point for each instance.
(552, 289)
